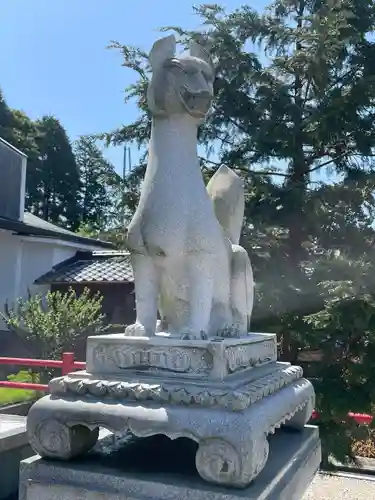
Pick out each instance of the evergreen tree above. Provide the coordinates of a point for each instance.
(97, 177)
(5, 119)
(23, 134)
(296, 121)
(17, 128)
(53, 177)
(60, 188)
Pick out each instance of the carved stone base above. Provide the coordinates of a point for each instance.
(227, 395)
(160, 355)
(233, 446)
(233, 394)
(116, 470)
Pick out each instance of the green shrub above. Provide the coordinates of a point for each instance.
(53, 323)
(10, 396)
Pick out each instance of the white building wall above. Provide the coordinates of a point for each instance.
(8, 265)
(40, 256)
(36, 260)
(61, 253)
(23, 260)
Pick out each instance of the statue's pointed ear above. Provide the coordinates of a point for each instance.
(197, 50)
(163, 49)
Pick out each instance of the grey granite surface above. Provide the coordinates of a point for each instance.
(158, 468)
(328, 487)
(12, 432)
(13, 448)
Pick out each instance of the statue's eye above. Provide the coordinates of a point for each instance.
(191, 71)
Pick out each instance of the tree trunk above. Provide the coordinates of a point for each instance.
(296, 186)
(46, 208)
(299, 169)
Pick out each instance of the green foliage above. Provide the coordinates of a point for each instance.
(345, 332)
(114, 235)
(67, 186)
(97, 177)
(53, 323)
(53, 181)
(87, 231)
(294, 116)
(5, 118)
(129, 192)
(9, 396)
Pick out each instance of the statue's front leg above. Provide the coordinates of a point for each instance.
(200, 282)
(146, 283)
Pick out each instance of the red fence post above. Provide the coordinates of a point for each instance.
(67, 363)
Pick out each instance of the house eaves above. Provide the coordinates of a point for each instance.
(34, 226)
(91, 267)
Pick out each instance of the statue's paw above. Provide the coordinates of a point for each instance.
(135, 330)
(194, 335)
(229, 332)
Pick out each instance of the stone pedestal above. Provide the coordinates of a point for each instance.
(165, 471)
(227, 395)
(14, 447)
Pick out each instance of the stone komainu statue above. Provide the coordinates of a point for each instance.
(184, 237)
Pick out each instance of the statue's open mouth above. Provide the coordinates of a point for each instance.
(196, 104)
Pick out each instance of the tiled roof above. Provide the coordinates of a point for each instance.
(95, 267)
(34, 226)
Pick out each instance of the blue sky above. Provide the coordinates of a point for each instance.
(54, 58)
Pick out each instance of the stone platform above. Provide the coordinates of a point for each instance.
(166, 471)
(226, 395)
(14, 447)
(216, 358)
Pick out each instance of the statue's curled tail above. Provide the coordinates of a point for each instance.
(226, 191)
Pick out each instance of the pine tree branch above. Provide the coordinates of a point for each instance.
(328, 162)
(352, 71)
(258, 172)
(241, 169)
(332, 160)
(233, 122)
(225, 140)
(306, 97)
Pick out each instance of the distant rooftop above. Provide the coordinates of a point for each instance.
(13, 164)
(91, 267)
(13, 148)
(34, 226)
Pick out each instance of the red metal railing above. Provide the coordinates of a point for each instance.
(67, 364)
(360, 418)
